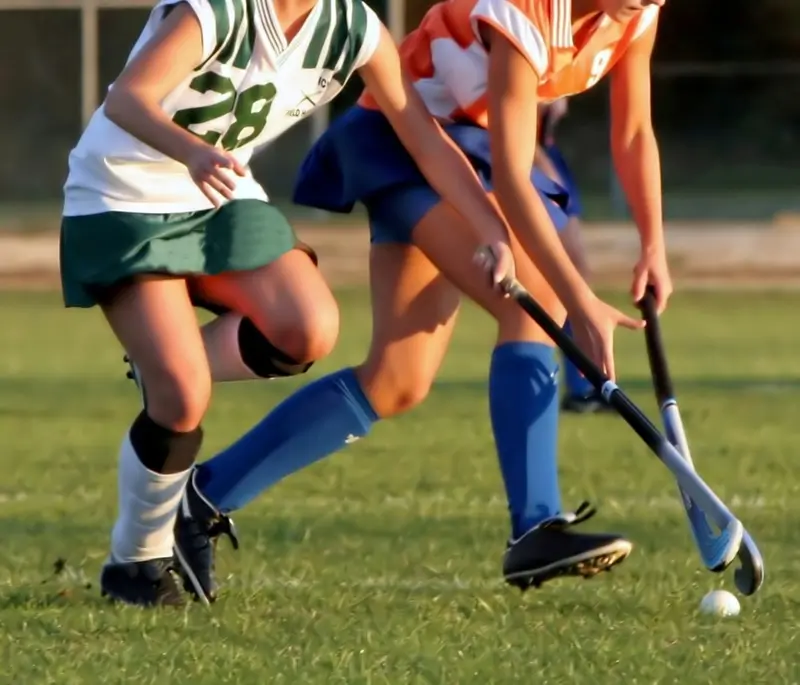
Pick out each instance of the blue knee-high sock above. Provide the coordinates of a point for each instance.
(577, 385)
(316, 421)
(523, 401)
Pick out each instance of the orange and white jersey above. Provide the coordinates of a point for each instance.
(448, 62)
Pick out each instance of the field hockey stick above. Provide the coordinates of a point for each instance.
(717, 550)
(689, 481)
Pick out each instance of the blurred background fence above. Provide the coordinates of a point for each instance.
(726, 97)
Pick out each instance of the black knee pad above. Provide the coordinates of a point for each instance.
(263, 358)
(161, 449)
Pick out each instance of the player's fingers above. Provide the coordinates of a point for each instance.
(483, 260)
(628, 321)
(639, 284)
(237, 167)
(223, 176)
(228, 161)
(661, 302)
(483, 256)
(220, 187)
(209, 193)
(610, 371)
(503, 269)
(499, 278)
(608, 355)
(215, 161)
(662, 297)
(494, 267)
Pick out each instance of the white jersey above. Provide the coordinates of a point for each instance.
(250, 88)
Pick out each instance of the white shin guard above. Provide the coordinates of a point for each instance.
(148, 506)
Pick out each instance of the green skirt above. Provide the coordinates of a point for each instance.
(101, 250)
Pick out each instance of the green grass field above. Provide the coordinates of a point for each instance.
(381, 565)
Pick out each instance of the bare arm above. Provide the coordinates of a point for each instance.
(439, 159)
(513, 85)
(133, 102)
(633, 141)
(636, 159)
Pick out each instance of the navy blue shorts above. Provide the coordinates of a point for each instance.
(574, 206)
(360, 159)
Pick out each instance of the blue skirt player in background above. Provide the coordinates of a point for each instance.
(579, 395)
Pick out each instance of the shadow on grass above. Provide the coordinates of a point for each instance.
(42, 597)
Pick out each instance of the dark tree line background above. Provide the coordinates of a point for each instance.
(720, 131)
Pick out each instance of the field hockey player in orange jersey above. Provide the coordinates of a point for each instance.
(482, 67)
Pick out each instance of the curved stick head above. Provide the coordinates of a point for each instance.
(718, 551)
(749, 577)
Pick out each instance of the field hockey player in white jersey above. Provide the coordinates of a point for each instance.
(161, 213)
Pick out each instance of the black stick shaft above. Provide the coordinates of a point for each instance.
(659, 369)
(633, 416)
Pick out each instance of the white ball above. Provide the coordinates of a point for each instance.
(720, 603)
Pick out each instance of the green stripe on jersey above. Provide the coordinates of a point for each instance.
(227, 52)
(274, 33)
(246, 47)
(321, 31)
(222, 24)
(341, 32)
(357, 35)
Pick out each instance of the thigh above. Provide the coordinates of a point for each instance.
(414, 310)
(154, 320)
(444, 238)
(288, 300)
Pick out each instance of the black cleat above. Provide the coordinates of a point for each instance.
(551, 549)
(142, 583)
(197, 528)
(585, 404)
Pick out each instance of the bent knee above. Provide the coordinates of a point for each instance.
(269, 359)
(392, 393)
(406, 397)
(177, 398)
(309, 339)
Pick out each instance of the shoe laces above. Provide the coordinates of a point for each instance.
(203, 521)
(223, 525)
(570, 518)
(204, 524)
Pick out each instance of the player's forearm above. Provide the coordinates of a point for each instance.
(525, 211)
(638, 167)
(148, 122)
(450, 174)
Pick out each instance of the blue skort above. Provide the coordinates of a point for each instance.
(360, 159)
(574, 206)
